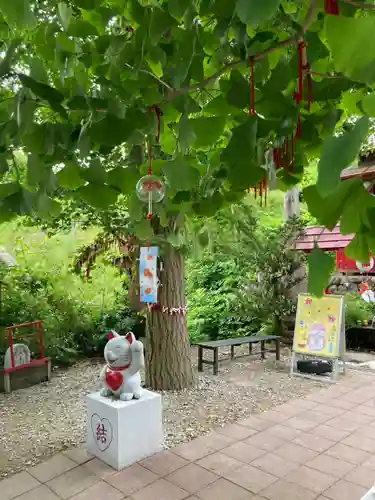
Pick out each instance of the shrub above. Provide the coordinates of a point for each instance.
(357, 310)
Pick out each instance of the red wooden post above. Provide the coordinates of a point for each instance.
(41, 340)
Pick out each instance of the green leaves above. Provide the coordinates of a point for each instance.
(42, 90)
(256, 12)
(81, 29)
(321, 266)
(339, 153)
(18, 13)
(65, 14)
(349, 52)
(207, 130)
(181, 176)
(97, 196)
(368, 104)
(160, 22)
(69, 176)
(112, 130)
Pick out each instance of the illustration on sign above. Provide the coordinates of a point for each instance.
(102, 431)
(148, 280)
(318, 325)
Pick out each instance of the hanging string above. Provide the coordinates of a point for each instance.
(252, 86)
(159, 113)
(332, 7)
(286, 164)
(301, 69)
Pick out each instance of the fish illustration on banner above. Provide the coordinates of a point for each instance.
(148, 280)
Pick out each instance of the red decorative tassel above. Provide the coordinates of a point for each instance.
(301, 48)
(265, 190)
(332, 7)
(159, 113)
(252, 86)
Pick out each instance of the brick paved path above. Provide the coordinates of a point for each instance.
(318, 448)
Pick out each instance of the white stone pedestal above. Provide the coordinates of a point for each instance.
(122, 432)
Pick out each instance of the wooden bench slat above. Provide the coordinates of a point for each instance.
(236, 341)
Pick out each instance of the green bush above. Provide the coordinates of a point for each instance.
(357, 310)
(42, 287)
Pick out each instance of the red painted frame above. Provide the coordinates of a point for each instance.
(35, 362)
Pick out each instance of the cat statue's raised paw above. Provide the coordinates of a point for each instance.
(124, 358)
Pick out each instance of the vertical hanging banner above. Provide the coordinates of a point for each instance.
(148, 280)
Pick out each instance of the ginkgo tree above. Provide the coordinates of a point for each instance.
(217, 97)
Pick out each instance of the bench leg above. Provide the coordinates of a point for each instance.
(200, 359)
(262, 349)
(277, 349)
(216, 361)
(232, 351)
(250, 348)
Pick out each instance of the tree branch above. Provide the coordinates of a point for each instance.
(309, 19)
(359, 5)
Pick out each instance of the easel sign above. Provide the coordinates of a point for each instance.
(319, 332)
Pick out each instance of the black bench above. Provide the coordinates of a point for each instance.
(216, 344)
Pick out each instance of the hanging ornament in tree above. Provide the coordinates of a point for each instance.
(150, 188)
(332, 7)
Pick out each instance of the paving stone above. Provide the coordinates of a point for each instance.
(329, 432)
(311, 479)
(193, 450)
(243, 452)
(163, 463)
(160, 490)
(256, 424)
(331, 465)
(219, 463)
(223, 490)
(301, 424)
(344, 490)
(295, 453)
(192, 478)
(132, 479)
(360, 441)
(99, 468)
(17, 485)
(265, 440)
(313, 442)
(100, 491)
(40, 493)
(78, 455)
(275, 465)
(235, 431)
(363, 476)
(251, 478)
(216, 441)
(283, 490)
(53, 467)
(72, 482)
(348, 453)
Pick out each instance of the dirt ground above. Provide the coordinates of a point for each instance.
(42, 420)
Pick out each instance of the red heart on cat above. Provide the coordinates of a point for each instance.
(113, 379)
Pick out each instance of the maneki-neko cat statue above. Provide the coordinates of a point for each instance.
(124, 358)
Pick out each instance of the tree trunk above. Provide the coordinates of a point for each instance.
(168, 359)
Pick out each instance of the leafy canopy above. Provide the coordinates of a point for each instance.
(83, 83)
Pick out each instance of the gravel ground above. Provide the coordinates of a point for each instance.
(42, 420)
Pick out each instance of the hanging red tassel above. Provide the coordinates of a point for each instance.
(261, 192)
(252, 86)
(332, 7)
(265, 190)
(159, 113)
(301, 48)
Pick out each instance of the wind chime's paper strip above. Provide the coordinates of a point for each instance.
(148, 275)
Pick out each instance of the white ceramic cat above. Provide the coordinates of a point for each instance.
(124, 358)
